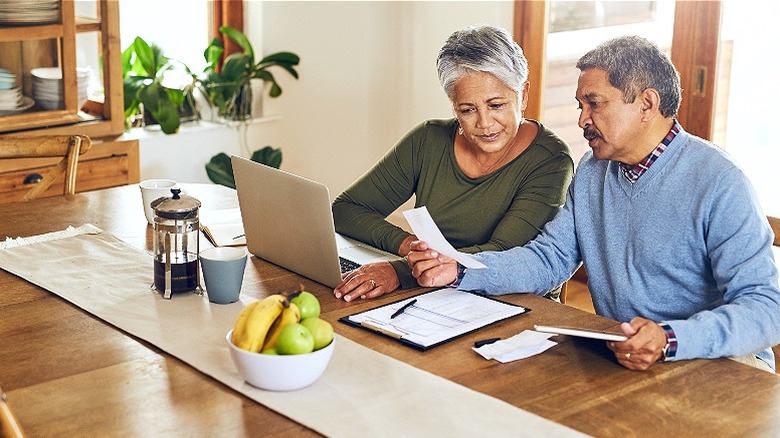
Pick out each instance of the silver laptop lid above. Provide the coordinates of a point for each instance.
(287, 220)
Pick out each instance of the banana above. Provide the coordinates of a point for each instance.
(291, 314)
(259, 322)
(239, 328)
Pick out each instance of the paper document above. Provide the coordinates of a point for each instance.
(525, 344)
(434, 317)
(223, 227)
(426, 230)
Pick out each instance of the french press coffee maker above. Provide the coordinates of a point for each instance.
(176, 242)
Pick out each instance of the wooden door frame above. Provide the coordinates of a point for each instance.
(530, 32)
(695, 43)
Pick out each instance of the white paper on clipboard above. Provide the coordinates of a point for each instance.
(426, 230)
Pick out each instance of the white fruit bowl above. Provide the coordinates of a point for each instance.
(280, 373)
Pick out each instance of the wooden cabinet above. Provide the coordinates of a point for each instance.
(85, 37)
(106, 164)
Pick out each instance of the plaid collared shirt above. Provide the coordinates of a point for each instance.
(632, 173)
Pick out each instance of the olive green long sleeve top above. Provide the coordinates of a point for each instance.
(503, 209)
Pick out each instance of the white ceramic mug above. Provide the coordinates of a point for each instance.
(152, 189)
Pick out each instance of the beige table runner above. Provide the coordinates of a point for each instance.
(383, 397)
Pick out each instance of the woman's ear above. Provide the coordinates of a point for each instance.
(524, 96)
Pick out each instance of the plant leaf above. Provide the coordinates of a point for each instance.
(268, 156)
(240, 39)
(281, 58)
(236, 67)
(145, 56)
(220, 171)
(213, 53)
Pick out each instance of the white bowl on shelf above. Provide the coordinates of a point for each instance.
(26, 104)
(280, 372)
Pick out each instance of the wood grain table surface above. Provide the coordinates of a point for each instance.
(68, 373)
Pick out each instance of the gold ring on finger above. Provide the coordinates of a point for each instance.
(373, 284)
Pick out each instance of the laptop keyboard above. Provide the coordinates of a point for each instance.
(347, 265)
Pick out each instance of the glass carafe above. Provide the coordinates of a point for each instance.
(176, 243)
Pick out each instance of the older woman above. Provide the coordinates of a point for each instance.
(489, 178)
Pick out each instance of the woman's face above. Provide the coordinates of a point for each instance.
(489, 112)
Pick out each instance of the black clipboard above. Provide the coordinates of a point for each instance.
(359, 319)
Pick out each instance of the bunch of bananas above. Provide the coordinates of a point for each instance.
(258, 326)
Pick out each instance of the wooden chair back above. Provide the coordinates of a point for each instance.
(69, 147)
(9, 427)
(775, 224)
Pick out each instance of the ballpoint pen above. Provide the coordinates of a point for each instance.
(402, 309)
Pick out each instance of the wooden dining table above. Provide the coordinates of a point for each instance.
(66, 372)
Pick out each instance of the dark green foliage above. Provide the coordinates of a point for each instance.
(220, 171)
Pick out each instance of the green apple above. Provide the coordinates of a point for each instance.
(271, 351)
(308, 304)
(295, 339)
(321, 330)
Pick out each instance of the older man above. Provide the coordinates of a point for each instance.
(668, 227)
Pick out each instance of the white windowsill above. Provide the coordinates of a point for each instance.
(154, 131)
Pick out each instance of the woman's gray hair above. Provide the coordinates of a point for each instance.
(482, 48)
(634, 64)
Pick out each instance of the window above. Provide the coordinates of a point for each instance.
(575, 28)
(179, 27)
(747, 71)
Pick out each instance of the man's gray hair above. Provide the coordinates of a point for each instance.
(482, 48)
(634, 64)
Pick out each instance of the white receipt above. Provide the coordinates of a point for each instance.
(426, 230)
(524, 344)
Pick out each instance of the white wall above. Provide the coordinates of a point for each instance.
(367, 76)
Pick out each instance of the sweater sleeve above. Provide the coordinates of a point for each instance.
(738, 242)
(360, 211)
(538, 267)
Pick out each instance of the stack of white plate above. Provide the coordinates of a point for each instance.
(25, 12)
(12, 101)
(47, 86)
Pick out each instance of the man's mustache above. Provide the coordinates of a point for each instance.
(590, 134)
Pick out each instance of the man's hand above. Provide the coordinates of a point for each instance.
(644, 346)
(430, 268)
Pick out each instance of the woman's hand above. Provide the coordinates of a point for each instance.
(368, 281)
(430, 268)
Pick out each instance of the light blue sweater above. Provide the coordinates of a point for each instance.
(687, 244)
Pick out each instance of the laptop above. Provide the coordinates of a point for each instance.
(288, 221)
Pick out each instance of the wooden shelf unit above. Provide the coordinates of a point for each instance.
(112, 160)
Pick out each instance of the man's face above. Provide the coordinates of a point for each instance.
(612, 127)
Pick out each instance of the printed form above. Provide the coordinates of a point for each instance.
(436, 316)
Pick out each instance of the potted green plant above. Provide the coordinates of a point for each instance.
(227, 84)
(145, 68)
(227, 87)
(220, 171)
